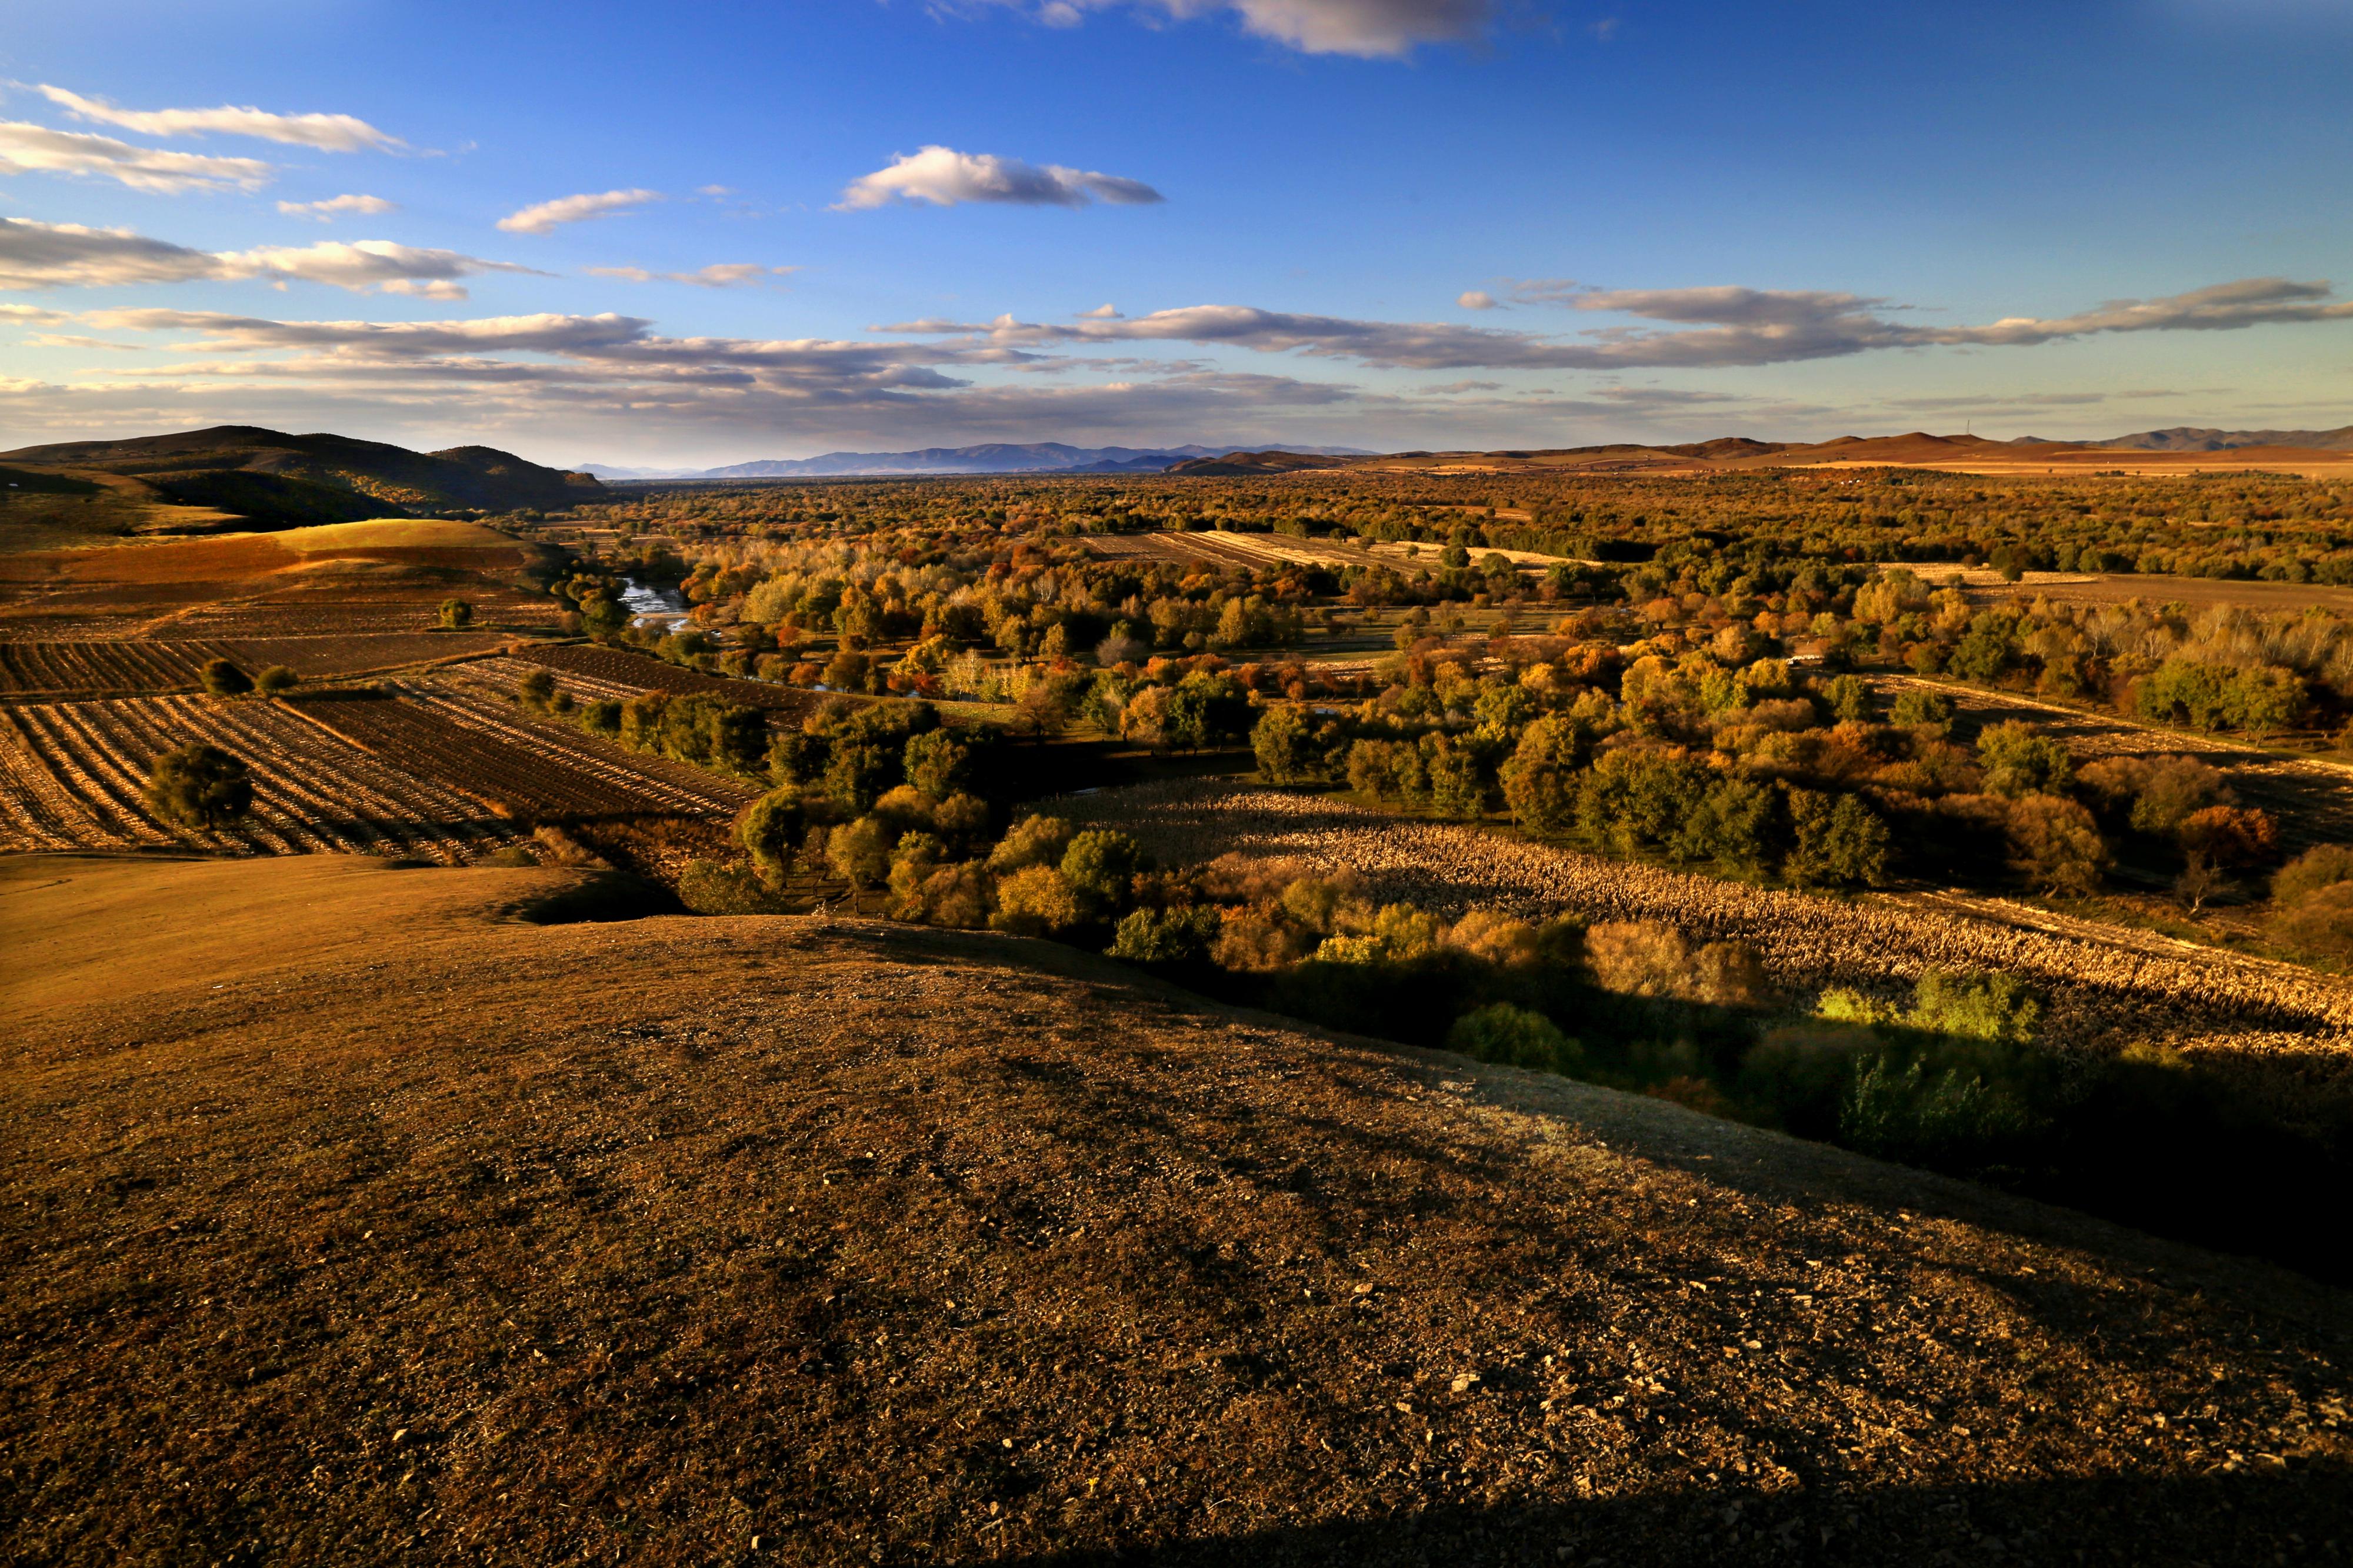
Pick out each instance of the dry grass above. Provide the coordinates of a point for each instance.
(348, 1221)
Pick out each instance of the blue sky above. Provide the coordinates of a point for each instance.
(673, 235)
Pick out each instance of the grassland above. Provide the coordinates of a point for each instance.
(351, 1219)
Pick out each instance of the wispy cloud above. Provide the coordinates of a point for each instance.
(1368, 30)
(1710, 328)
(329, 210)
(943, 177)
(328, 132)
(26, 148)
(35, 255)
(545, 217)
(718, 275)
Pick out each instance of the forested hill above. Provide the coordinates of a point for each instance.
(280, 480)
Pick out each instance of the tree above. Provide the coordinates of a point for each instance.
(536, 689)
(199, 786)
(1168, 936)
(222, 679)
(456, 614)
(1035, 900)
(859, 853)
(2019, 761)
(276, 679)
(2054, 843)
(1540, 781)
(1841, 842)
(936, 762)
(1100, 866)
(769, 828)
(1286, 747)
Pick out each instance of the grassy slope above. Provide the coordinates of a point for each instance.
(345, 1219)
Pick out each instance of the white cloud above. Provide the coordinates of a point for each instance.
(1101, 313)
(326, 211)
(328, 132)
(1368, 30)
(36, 255)
(718, 275)
(1475, 299)
(943, 177)
(32, 314)
(546, 217)
(26, 147)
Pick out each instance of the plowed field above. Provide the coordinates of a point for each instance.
(124, 667)
(71, 775)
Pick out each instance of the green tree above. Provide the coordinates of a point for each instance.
(222, 679)
(1100, 866)
(2018, 761)
(277, 680)
(769, 829)
(199, 786)
(1841, 842)
(456, 614)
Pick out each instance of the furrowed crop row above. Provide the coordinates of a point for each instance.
(481, 763)
(641, 673)
(677, 786)
(499, 676)
(111, 789)
(383, 794)
(2104, 991)
(136, 733)
(98, 667)
(42, 814)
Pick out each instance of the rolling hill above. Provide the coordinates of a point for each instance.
(268, 478)
(354, 1217)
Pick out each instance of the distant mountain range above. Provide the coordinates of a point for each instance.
(2183, 438)
(994, 457)
(279, 480)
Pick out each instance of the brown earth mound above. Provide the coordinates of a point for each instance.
(350, 1219)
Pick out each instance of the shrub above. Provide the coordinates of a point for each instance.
(199, 786)
(708, 888)
(1946, 1119)
(2323, 866)
(1493, 936)
(276, 679)
(2321, 923)
(1515, 1036)
(1036, 901)
(1032, 841)
(456, 614)
(1919, 709)
(1168, 936)
(536, 689)
(222, 679)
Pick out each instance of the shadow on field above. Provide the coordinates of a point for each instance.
(2281, 1516)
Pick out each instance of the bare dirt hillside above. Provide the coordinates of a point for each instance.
(348, 1217)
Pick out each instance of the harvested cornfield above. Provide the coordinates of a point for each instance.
(482, 744)
(2105, 989)
(71, 776)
